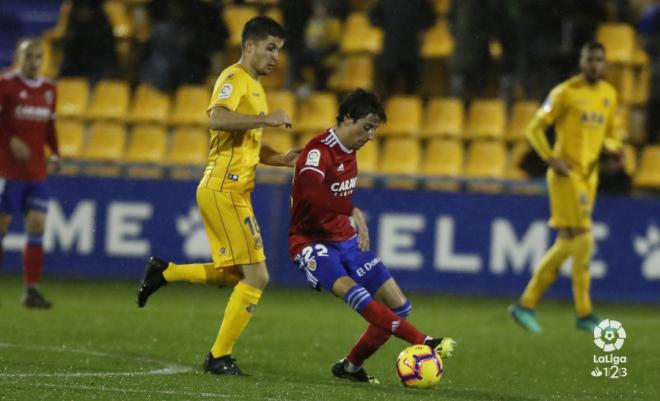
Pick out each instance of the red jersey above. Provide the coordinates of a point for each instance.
(27, 111)
(322, 193)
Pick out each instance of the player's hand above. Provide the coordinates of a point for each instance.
(54, 164)
(363, 232)
(278, 118)
(559, 166)
(289, 158)
(19, 149)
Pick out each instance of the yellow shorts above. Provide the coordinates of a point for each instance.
(231, 227)
(571, 199)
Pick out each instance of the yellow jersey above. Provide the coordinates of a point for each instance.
(584, 118)
(233, 156)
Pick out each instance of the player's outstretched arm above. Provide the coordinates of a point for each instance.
(223, 119)
(271, 157)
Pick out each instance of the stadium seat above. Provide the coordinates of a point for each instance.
(317, 112)
(443, 158)
(486, 119)
(355, 71)
(189, 146)
(120, 18)
(485, 160)
(360, 36)
(275, 80)
(629, 159)
(437, 41)
(522, 114)
(275, 13)
(105, 146)
(648, 171)
(619, 41)
(72, 97)
(443, 117)
(401, 158)
(150, 105)
(404, 116)
(442, 6)
(621, 76)
(516, 154)
(283, 100)
(190, 105)
(641, 78)
(235, 17)
(367, 158)
(110, 100)
(146, 144)
(280, 139)
(70, 138)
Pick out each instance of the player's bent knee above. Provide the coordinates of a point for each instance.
(342, 285)
(256, 275)
(35, 222)
(5, 222)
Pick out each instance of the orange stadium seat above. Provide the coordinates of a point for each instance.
(443, 158)
(648, 171)
(317, 112)
(150, 105)
(70, 138)
(72, 97)
(235, 17)
(486, 118)
(401, 158)
(522, 114)
(355, 71)
(189, 146)
(110, 100)
(485, 160)
(360, 36)
(283, 100)
(443, 117)
(404, 116)
(190, 105)
(437, 41)
(619, 41)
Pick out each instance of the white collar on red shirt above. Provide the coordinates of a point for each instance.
(32, 83)
(333, 139)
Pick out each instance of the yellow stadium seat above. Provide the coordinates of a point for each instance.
(70, 138)
(356, 71)
(443, 117)
(305, 137)
(522, 114)
(360, 36)
(443, 158)
(190, 105)
(437, 41)
(629, 159)
(189, 146)
(367, 158)
(486, 160)
(642, 77)
(147, 144)
(275, 13)
(72, 97)
(648, 171)
(401, 158)
(150, 105)
(280, 139)
(110, 100)
(235, 17)
(517, 153)
(317, 112)
(486, 118)
(275, 80)
(120, 18)
(106, 142)
(404, 116)
(283, 100)
(619, 41)
(442, 6)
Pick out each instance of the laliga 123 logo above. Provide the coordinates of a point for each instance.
(609, 336)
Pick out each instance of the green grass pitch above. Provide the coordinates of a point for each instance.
(97, 345)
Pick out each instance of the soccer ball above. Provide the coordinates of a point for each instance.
(419, 366)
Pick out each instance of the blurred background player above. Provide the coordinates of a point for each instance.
(326, 246)
(27, 113)
(582, 110)
(237, 114)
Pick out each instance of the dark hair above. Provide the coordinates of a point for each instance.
(593, 45)
(358, 104)
(259, 28)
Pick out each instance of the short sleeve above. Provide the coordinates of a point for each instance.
(228, 92)
(315, 159)
(553, 107)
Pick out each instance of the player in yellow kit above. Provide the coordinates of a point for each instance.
(237, 114)
(582, 111)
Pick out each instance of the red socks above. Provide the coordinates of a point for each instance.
(383, 318)
(33, 264)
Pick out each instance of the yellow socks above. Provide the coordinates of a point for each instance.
(546, 272)
(201, 273)
(237, 315)
(583, 246)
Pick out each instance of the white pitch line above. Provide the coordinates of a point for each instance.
(168, 369)
(137, 391)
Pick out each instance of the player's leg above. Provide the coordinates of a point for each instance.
(5, 222)
(9, 205)
(563, 207)
(35, 205)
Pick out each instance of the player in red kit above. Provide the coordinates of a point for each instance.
(332, 254)
(27, 113)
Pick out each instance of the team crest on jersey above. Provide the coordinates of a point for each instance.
(311, 264)
(225, 91)
(22, 95)
(313, 158)
(49, 97)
